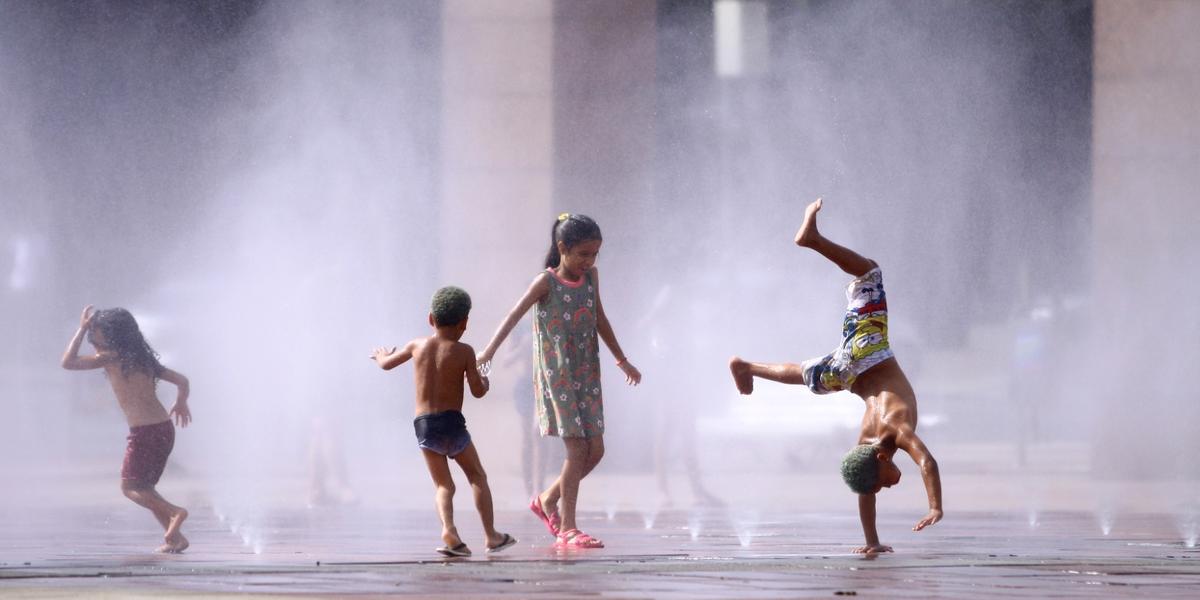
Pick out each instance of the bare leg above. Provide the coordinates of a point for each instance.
(168, 515)
(846, 259)
(439, 470)
(745, 372)
(528, 459)
(468, 459)
(583, 454)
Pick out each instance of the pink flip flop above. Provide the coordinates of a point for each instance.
(552, 521)
(574, 538)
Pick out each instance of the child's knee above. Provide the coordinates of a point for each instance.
(477, 477)
(446, 488)
(133, 488)
(595, 448)
(577, 448)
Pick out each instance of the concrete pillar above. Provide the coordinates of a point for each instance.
(497, 152)
(1146, 150)
(497, 149)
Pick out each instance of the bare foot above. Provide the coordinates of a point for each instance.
(551, 510)
(174, 546)
(741, 375)
(808, 234)
(177, 519)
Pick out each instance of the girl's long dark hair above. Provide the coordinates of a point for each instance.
(570, 229)
(122, 336)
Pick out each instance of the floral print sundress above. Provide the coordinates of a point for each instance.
(566, 359)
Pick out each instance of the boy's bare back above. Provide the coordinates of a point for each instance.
(440, 365)
(891, 410)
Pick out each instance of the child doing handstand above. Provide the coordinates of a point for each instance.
(441, 362)
(133, 370)
(864, 365)
(566, 366)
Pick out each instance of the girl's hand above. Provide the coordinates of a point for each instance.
(183, 416)
(85, 320)
(632, 375)
(483, 362)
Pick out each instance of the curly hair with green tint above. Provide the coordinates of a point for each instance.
(450, 306)
(860, 469)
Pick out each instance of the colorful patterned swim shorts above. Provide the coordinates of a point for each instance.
(864, 338)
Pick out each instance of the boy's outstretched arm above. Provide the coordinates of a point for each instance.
(910, 443)
(866, 513)
(181, 412)
(71, 359)
(390, 358)
(538, 289)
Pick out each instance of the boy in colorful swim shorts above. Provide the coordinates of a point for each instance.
(865, 365)
(442, 363)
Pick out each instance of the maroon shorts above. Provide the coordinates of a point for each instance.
(147, 452)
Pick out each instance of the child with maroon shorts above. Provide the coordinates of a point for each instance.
(133, 370)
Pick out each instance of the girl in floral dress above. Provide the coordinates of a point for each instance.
(568, 323)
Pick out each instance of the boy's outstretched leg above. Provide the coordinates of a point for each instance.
(846, 259)
(168, 515)
(443, 483)
(468, 460)
(745, 372)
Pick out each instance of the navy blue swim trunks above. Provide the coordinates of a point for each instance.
(444, 432)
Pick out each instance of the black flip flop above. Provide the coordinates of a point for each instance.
(508, 541)
(460, 550)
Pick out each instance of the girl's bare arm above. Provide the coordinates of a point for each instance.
(604, 328)
(537, 290)
(180, 410)
(71, 359)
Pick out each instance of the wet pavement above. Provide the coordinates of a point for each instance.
(713, 552)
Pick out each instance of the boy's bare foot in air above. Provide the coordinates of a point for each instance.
(741, 372)
(808, 235)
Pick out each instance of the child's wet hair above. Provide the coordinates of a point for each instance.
(570, 229)
(860, 469)
(122, 336)
(450, 306)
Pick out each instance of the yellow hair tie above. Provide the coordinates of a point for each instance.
(564, 216)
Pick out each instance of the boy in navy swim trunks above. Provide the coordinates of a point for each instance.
(864, 365)
(442, 363)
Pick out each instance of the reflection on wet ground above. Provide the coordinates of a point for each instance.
(717, 553)
(674, 554)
